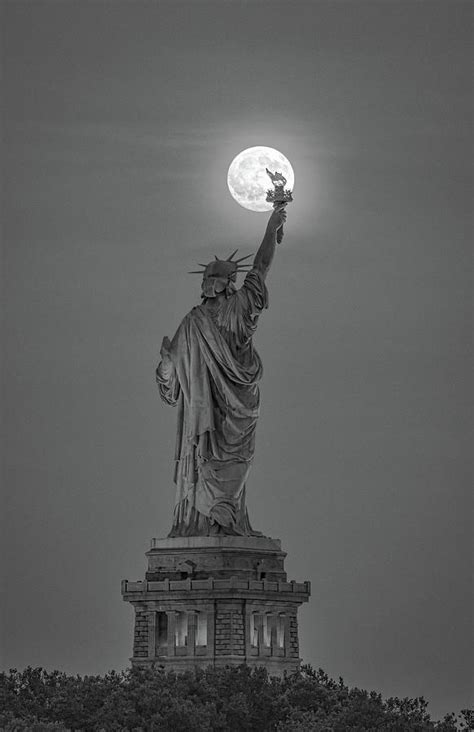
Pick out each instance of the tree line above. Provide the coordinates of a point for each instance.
(207, 700)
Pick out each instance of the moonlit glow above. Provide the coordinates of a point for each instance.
(247, 178)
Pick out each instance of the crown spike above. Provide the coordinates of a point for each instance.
(229, 259)
(197, 271)
(242, 258)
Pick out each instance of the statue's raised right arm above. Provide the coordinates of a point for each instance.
(266, 250)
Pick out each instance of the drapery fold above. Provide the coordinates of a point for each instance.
(213, 378)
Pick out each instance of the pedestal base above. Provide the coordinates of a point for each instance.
(216, 600)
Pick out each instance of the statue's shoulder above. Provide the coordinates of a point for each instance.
(185, 322)
(192, 313)
(196, 314)
(252, 277)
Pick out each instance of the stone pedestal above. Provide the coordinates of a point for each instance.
(216, 600)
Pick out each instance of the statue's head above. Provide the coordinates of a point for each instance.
(220, 275)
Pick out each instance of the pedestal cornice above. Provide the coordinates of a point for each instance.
(223, 543)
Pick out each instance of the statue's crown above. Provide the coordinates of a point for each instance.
(223, 267)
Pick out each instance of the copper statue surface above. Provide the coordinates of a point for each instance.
(210, 370)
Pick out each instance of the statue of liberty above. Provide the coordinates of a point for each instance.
(211, 370)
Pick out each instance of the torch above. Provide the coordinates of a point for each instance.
(278, 195)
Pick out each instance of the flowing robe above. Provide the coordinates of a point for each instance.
(213, 377)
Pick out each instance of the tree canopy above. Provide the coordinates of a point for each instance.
(205, 700)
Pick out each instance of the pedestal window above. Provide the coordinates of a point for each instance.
(266, 629)
(280, 634)
(201, 629)
(162, 630)
(253, 630)
(181, 629)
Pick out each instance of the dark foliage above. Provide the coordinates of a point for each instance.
(205, 700)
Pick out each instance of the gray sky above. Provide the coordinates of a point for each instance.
(120, 120)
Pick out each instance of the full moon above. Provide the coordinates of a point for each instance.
(248, 180)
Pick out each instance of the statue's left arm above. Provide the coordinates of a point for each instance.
(166, 376)
(266, 250)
